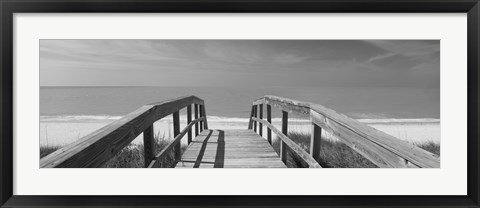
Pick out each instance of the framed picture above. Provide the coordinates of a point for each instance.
(277, 103)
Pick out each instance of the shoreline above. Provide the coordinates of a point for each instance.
(64, 129)
(111, 118)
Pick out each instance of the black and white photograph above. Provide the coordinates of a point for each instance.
(239, 103)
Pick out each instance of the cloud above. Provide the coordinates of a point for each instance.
(407, 55)
(410, 48)
(380, 57)
(235, 62)
(285, 59)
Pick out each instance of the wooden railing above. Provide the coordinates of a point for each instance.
(380, 148)
(98, 147)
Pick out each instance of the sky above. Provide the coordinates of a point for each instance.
(248, 63)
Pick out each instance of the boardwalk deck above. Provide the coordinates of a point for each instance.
(241, 148)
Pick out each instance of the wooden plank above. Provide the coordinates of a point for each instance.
(283, 147)
(196, 117)
(204, 114)
(148, 145)
(176, 132)
(189, 119)
(260, 125)
(98, 147)
(201, 115)
(269, 120)
(255, 116)
(315, 141)
(250, 121)
(163, 153)
(230, 155)
(239, 150)
(184, 164)
(293, 146)
(285, 104)
(239, 147)
(230, 149)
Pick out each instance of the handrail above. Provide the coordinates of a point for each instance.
(94, 149)
(380, 148)
(292, 145)
(285, 104)
(156, 162)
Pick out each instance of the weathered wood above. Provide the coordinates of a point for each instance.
(98, 147)
(259, 101)
(255, 116)
(294, 147)
(164, 152)
(260, 125)
(189, 119)
(176, 132)
(380, 148)
(250, 121)
(229, 149)
(315, 142)
(285, 104)
(196, 117)
(204, 114)
(201, 115)
(148, 145)
(269, 120)
(283, 147)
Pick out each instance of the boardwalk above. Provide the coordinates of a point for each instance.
(243, 148)
(230, 149)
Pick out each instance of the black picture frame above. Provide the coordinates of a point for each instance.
(9, 7)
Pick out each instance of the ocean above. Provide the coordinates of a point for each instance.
(236, 101)
(68, 113)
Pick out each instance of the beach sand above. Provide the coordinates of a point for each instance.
(55, 132)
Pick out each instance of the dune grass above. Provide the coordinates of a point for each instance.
(46, 150)
(335, 154)
(130, 156)
(332, 154)
(431, 147)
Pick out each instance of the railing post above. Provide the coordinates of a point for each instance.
(260, 125)
(148, 145)
(255, 115)
(283, 146)
(250, 122)
(269, 119)
(196, 117)
(189, 119)
(176, 132)
(201, 115)
(204, 114)
(315, 141)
